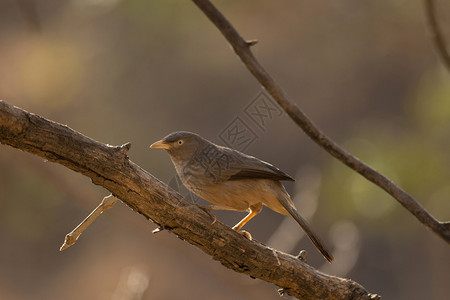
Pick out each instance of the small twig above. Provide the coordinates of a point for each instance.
(252, 42)
(276, 256)
(438, 37)
(282, 291)
(72, 237)
(242, 50)
(157, 230)
(302, 255)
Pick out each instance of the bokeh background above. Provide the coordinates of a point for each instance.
(133, 71)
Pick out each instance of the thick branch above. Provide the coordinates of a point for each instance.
(242, 49)
(109, 167)
(438, 37)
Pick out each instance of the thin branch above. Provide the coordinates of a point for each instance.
(438, 37)
(110, 167)
(242, 49)
(30, 15)
(72, 237)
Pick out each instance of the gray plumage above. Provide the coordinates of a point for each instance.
(232, 180)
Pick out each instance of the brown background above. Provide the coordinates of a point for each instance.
(134, 71)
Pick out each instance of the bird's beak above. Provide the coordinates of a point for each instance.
(160, 144)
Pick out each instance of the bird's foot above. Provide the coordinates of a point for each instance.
(246, 234)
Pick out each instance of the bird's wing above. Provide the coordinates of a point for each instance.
(264, 172)
(243, 166)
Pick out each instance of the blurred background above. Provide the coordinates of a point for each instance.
(133, 71)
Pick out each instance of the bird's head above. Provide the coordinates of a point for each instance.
(181, 145)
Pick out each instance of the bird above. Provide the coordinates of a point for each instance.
(232, 180)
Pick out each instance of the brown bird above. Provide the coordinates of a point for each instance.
(232, 180)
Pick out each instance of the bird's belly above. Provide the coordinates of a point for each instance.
(239, 194)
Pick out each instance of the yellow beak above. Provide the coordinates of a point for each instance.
(160, 144)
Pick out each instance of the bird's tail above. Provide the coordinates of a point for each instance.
(306, 228)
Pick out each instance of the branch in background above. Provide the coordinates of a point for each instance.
(242, 49)
(30, 15)
(110, 167)
(438, 38)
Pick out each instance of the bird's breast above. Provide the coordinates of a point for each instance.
(195, 178)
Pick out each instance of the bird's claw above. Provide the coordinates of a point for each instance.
(246, 234)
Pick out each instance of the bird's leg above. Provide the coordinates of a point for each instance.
(254, 210)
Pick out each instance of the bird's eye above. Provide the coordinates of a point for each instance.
(180, 142)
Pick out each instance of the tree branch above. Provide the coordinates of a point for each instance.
(242, 49)
(30, 15)
(110, 167)
(436, 32)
